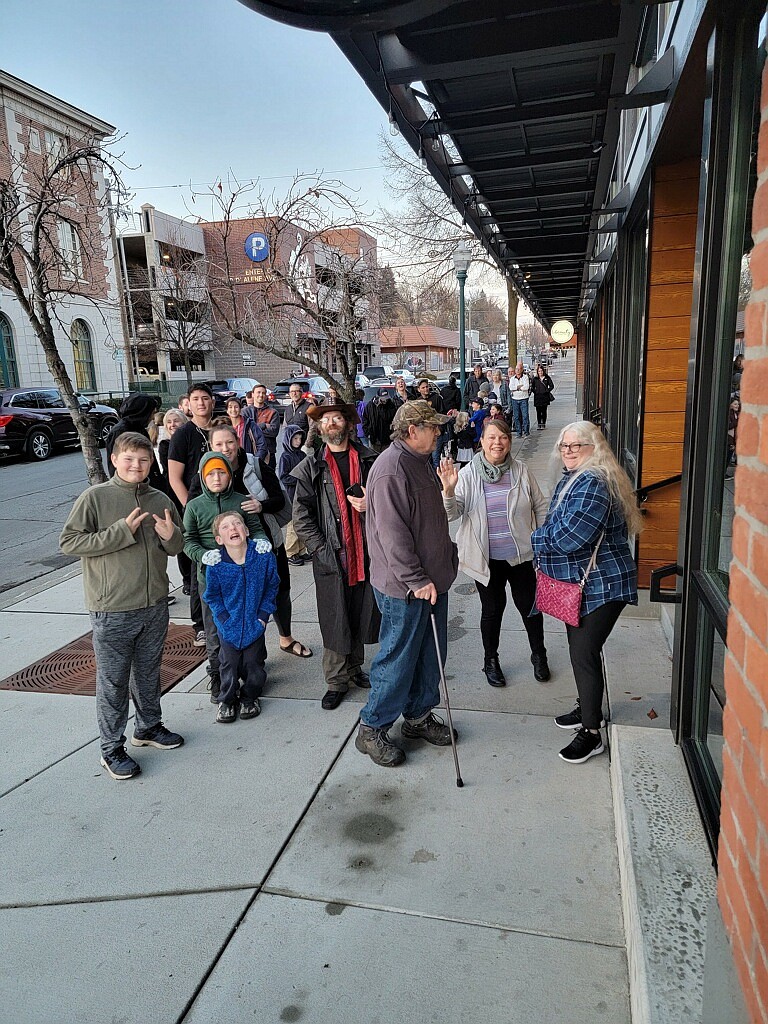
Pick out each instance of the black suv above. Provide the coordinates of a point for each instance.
(36, 420)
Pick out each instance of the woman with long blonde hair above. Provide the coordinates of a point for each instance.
(593, 509)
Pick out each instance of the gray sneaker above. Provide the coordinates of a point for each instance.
(378, 746)
(432, 729)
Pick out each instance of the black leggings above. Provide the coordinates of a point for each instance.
(493, 600)
(282, 615)
(541, 414)
(585, 644)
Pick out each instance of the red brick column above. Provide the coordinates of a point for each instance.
(743, 854)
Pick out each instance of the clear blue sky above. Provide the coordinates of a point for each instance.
(199, 87)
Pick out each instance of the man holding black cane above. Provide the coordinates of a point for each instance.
(411, 554)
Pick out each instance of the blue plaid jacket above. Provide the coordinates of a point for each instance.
(563, 546)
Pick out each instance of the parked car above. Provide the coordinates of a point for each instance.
(242, 386)
(35, 421)
(372, 372)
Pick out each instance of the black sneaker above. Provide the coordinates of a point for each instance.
(295, 560)
(214, 685)
(361, 679)
(226, 714)
(573, 719)
(250, 708)
(120, 765)
(199, 640)
(584, 745)
(159, 737)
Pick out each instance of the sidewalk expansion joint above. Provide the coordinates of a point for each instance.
(34, 775)
(403, 912)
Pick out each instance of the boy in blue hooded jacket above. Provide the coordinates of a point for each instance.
(241, 591)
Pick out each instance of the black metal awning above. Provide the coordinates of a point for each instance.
(515, 106)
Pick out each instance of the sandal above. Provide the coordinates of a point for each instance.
(298, 649)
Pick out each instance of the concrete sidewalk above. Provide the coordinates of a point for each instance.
(269, 872)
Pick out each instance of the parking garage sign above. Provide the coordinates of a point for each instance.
(257, 247)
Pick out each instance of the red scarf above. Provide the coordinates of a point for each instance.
(351, 523)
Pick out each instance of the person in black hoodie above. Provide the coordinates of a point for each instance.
(136, 414)
(451, 395)
(291, 455)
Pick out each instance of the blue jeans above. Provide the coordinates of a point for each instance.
(437, 454)
(405, 675)
(521, 423)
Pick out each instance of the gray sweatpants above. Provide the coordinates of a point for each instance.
(128, 648)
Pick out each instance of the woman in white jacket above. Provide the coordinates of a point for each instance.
(499, 504)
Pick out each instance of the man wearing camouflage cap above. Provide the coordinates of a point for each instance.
(411, 555)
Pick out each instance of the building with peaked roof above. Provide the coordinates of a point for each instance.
(424, 347)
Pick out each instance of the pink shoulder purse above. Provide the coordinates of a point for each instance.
(560, 599)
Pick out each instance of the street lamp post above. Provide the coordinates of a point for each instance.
(462, 257)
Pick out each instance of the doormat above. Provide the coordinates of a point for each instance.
(72, 669)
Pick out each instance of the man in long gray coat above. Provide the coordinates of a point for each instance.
(329, 517)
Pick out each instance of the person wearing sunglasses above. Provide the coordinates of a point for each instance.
(593, 506)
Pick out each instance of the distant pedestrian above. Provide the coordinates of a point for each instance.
(464, 432)
(187, 446)
(593, 513)
(425, 392)
(267, 418)
(500, 389)
(172, 421)
(412, 555)
(451, 395)
(402, 392)
(377, 420)
(290, 457)
(542, 387)
(295, 414)
(520, 392)
(124, 531)
(250, 436)
(477, 416)
(241, 588)
(473, 383)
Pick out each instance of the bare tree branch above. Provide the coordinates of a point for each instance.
(36, 199)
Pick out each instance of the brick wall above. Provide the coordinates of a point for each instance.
(743, 855)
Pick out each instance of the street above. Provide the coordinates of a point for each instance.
(35, 499)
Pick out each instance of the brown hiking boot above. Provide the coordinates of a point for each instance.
(378, 746)
(432, 729)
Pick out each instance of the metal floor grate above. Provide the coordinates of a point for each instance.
(72, 669)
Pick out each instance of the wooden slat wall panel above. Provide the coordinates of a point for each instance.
(671, 265)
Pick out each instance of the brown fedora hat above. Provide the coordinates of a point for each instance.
(316, 412)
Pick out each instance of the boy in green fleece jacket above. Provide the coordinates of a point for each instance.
(124, 531)
(218, 495)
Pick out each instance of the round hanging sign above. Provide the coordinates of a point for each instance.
(562, 331)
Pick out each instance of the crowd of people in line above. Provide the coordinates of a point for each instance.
(366, 492)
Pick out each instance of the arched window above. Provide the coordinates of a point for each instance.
(9, 371)
(85, 371)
